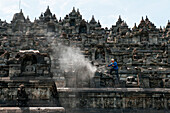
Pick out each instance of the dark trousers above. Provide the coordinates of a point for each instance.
(116, 73)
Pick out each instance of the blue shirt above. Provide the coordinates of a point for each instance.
(115, 65)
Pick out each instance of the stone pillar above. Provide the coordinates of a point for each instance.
(153, 103)
(124, 103)
(93, 55)
(168, 53)
(165, 103)
(97, 81)
(114, 102)
(14, 70)
(102, 102)
(144, 103)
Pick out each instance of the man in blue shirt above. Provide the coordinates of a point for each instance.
(114, 68)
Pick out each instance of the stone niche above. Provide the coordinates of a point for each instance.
(30, 64)
(51, 27)
(153, 39)
(136, 39)
(34, 93)
(30, 82)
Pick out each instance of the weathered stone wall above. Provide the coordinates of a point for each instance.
(142, 53)
(40, 93)
(32, 110)
(115, 98)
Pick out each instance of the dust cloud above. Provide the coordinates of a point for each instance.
(72, 62)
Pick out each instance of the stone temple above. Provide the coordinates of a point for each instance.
(33, 81)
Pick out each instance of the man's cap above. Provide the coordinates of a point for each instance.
(112, 59)
(22, 85)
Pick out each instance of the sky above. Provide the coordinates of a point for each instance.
(106, 11)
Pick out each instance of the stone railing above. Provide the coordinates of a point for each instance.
(115, 98)
(32, 110)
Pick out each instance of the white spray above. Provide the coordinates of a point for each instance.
(72, 61)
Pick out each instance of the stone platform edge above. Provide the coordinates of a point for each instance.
(93, 90)
(32, 110)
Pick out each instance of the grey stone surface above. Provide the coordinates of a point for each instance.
(32, 110)
(29, 55)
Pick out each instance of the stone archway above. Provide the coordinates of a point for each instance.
(51, 27)
(83, 27)
(99, 54)
(28, 64)
(72, 22)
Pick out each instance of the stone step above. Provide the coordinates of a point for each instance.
(32, 110)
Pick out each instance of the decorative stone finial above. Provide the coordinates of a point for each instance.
(78, 12)
(146, 18)
(74, 9)
(160, 27)
(119, 16)
(119, 19)
(27, 17)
